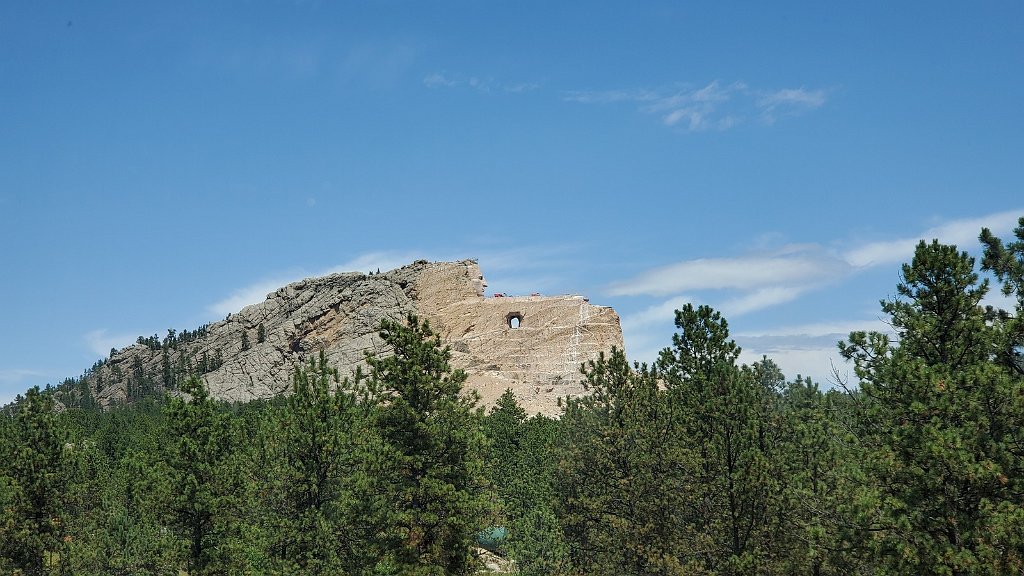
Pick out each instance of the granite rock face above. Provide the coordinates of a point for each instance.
(531, 344)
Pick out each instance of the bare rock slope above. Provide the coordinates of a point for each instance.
(531, 344)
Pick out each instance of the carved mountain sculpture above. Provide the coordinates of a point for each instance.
(531, 344)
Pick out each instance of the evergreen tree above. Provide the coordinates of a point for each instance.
(521, 467)
(206, 489)
(822, 481)
(166, 370)
(432, 454)
(505, 428)
(1006, 261)
(536, 541)
(623, 478)
(941, 427)
(314, 528)
(723, 411)
(116, 510)
(33, 484)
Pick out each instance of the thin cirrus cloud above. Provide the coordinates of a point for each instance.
(101, 341)
(794, 266)
(762, 298)
(807, 349)
(653, 315)
(17, 375)
(788, 101)
(714, 106)
(816, 336)
(748, 284)
(756, 282)
(258, 291)
(959, 232)
(745, 284)
(484, 85)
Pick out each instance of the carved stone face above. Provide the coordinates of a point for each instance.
(477, 280)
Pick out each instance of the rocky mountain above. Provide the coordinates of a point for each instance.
(531, 344)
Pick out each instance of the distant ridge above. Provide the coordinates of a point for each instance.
(531, 344)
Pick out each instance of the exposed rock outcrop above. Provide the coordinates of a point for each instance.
(531, 344)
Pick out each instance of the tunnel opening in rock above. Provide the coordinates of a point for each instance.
(514, 320)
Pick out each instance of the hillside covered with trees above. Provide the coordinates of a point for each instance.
(693, 465)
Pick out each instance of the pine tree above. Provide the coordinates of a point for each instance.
(623, 476)
(723, 411)
(505, 428)
(940, 424)
(432, 454)
(821, 482)
(206, 488)
(1006, 261)
(315, 528)
(33, 483)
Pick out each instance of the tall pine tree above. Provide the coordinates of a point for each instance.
(206, 488)
(33, 484)
(940, 424)
(431, 469)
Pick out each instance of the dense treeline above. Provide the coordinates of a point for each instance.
(177, 363)
(693, 465)
(379, 473)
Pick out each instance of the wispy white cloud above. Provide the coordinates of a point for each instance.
(484, 85)
(698, 109)
(789, 267)
(611, 96)
(792, 97)
(714, 106)
(100, 341)
(755, 282)
(807, 349)
(257, 291)
(761, 298)
(438, 80)
(788, 101)
(661, 313)
(817, 329)
(816, 363)
(961, 232)
(246, 295)
(643, 331)
(743, 284)
(877, 253)
(9, 376)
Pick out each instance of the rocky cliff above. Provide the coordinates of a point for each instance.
(531, 344)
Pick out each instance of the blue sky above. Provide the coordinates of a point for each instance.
(166, 163)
